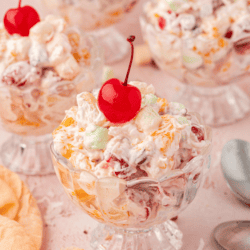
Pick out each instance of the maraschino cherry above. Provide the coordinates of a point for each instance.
(120, 102)
(20, 20)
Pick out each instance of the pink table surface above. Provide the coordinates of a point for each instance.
(66, 225)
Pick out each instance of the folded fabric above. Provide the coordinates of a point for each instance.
(20, 218)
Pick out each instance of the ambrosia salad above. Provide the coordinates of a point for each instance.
(42, 72)
(204, 43)
(161, 138)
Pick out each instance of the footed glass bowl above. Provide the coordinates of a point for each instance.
(97, 17)
(134, 214)
(210, 69)
(31, 113)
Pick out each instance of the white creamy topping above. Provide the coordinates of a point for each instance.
(88, 112)
(38, 54)
(17, 49)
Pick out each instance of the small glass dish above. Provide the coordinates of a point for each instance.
(97, 18)
(30, 113)
(210, 68)
(134, 214)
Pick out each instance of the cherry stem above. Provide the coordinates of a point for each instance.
(130, 40)
(19, 5)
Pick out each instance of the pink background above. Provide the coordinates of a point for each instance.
(64, 223)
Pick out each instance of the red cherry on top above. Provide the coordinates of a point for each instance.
(20, 20)
(120, 102)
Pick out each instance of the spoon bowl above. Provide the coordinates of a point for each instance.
(232, 235)
(235, 163)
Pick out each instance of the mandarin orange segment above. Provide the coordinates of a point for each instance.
(116, 13)
(89, 98)
(82, 55)
(6, 208)
(69, 151)
(74, 40)
(82, 195)
(167, 131)
(117, 215)
(96, 215)
(24, 122)
(163, 102)
(68, 122)
(222, 43)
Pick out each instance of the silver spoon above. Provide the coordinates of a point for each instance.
(235, 163)
(232, 235)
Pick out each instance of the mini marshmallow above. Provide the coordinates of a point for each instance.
(96, 137)
(107, 74)
(176, 108)
(142, 54)
(49, 78)
(148, 99)
(187, 21)
(183, 120)
(17, 49)
(174, 4)
(42, 32)
(148, 120)
(178, 5)
(59, 49)
(191, 60)
(88, 111)
(206, 9)
(68, 69)
(38, 54)
(58, 22)
(143, 87)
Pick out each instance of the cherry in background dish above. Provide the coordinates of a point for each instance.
(19, 20)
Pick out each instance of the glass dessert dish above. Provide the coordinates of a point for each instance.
(41, 74)
(206, 47)
(97, 17)
(131, 176)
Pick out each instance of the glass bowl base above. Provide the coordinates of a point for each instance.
(165, 236)
(217, 106)
(28, 155)
(114, 44)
